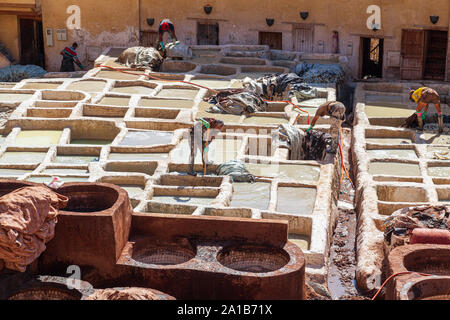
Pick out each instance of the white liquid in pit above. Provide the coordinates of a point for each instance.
(251, 195)
(183, 200)
(142, 90)
(177, 93)
(393, 153)
(285, 171)
(166, 103)
(296, 200)
(394, 169)
(138, 156)
(22, 157)
(15, 97)
(133, 190)
(220, 151)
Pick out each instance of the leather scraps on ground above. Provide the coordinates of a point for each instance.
(16, 73)
(280, 87)
(236, 170)
(178, 50)
(130, 293)
(310, 146)
(252, 97)
(291, 138)
(141, 57)
(399, 225)
(27, 221)
(441, 155)
(411, 122)
(237, 102)
(320, 73)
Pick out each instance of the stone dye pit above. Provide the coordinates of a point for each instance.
(131, 131)
(395, 168)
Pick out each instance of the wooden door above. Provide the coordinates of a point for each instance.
(272, 39)
(303, 39)
(31, 42)
(149, 39)
(208, 34)
(435, 55)
(412, 54)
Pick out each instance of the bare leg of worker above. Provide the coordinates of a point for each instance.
(440, 117)
(419, 111)
(335, 132)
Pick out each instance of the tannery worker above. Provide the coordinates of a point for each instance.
(201, 134)
(69, 57)
(423, 97)
(336, 111)
(166, 26)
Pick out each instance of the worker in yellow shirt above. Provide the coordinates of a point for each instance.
(423, 97)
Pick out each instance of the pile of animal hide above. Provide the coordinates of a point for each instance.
(27, 222)
(141, 57)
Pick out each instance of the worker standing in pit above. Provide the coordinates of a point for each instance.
(201, 134)
(336, 111)
(423, 97)
(166, 26)
(69, 58)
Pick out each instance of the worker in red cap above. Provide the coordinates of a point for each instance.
(166, 26)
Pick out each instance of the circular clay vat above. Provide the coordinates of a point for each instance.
(87, 197)
(431, 288)
(163, 254)
(7, 186)
(220, 70)
(435, 261)
(255, 259)
(175, 66)
(46, 293)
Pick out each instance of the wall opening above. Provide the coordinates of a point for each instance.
(207, 33)
(272, 39)
(303, 39)
(372, 58)
(149, 38)
(435, 54)
(31, 42)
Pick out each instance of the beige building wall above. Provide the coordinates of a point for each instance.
(9, 34)
(116, 23)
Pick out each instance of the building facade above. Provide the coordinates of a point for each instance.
(402, 39)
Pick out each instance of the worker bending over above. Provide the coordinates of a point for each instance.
(201, 134)
(69, 58)
(166, 26)
(423, 97)
(336, 111)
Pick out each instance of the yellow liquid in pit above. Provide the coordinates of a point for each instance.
(382, 112)
(301, 241)
(394, 169)
(38, 137)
